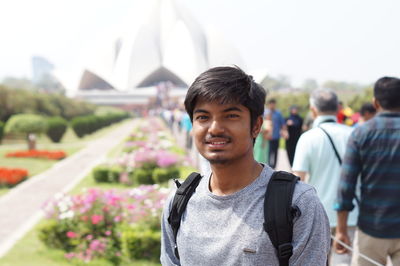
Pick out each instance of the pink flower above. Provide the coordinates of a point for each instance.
(69, 255)
(96, 218)
(117, 219)
(71, 234)
(108, 233)
(89, 237)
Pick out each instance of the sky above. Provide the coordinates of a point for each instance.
(346, 40)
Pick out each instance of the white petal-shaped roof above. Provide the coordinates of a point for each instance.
(163, 43)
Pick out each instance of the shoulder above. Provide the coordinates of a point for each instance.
(304, 191)
(310, 135)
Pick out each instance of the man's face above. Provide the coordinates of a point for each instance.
(222, 131)
(367, 116)
(271, 106)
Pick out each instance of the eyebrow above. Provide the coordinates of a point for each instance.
(230, 109)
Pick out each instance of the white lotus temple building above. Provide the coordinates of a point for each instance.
(163, 46)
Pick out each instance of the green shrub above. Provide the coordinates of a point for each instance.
(54, 235)
(161, 175)
(85, 125)
(114, 174)
(1, 130)
(100, 173)
(140, 242)
(107, 174)
(56, 128)
(26, 123)
(142, 176)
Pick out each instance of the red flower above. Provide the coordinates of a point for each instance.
(12, 176)
(54, 155)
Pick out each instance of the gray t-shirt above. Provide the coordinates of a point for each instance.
(228, 230)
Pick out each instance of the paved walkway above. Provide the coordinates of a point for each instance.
(20, 209)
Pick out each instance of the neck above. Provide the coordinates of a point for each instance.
(391, 110)
(229, 178)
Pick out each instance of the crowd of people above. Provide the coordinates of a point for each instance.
(352, 161)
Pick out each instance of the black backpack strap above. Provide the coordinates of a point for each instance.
(333, 145)
(278, 213)
(181, 198)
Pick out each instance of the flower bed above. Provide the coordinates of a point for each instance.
(53, 155)
(149, 156)
(12, 176)
(106, 224)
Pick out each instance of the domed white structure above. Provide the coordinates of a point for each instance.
(163, 44)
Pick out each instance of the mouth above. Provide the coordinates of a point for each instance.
(217, 144)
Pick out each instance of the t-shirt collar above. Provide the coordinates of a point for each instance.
(322, 118)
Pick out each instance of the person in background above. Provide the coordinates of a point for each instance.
(187, 128)
(319, 152)
(294, 125)
(340, 115)
(278, 129)
(373, 158)
(261, 146)
(367, 112)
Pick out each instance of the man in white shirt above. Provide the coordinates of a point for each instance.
(318, 154)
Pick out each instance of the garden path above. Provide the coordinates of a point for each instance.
(20, 209)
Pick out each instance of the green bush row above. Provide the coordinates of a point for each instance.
(144, 175)
(85, 125)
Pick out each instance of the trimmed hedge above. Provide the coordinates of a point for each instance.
(56, 128)
(26, 123)
(161, 175)
(107, 174)
(84, 125)
(139, 242)
(142, 176)
(54, 235)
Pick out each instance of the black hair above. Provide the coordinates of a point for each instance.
(272, 101)
(227, 85)
(387, 92)
(367, 108)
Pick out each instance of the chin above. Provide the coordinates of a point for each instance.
(218, 161)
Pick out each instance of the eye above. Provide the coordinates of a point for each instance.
(232, 116)
(201, 117)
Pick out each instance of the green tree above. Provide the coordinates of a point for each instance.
(309, 85)
(280, 82)
(28, 124)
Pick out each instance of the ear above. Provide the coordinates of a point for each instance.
(314, 112)
(257, 126)
(376, 104)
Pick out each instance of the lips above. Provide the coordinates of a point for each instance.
(217, 143)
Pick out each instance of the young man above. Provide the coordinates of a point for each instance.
(373, 152)
(223, 221)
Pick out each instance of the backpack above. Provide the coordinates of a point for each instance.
(277, 202)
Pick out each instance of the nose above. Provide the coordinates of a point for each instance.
(216, 127)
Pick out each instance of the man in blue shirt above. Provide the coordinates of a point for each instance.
(278, 128)
(373, 152)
